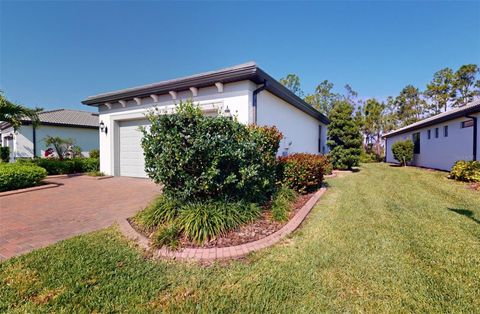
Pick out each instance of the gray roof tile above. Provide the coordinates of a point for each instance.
(68, 117)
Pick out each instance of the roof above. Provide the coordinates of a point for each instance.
(439, 118)
(64, 117)
(247, 71)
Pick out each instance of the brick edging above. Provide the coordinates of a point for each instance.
(81, 174)
(98, 177)
(31, 189)
(329, 176)
(229, 252)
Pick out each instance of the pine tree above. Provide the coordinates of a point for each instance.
(344, 137)
(410, 105)
(466, 84)
(440, 90)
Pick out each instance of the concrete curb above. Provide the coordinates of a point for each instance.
(60, 176)
(34, 188)
(222, 253)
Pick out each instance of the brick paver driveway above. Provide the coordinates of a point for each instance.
(81, 204)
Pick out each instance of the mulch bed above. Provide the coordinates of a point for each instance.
(258, 229)
(475, 186)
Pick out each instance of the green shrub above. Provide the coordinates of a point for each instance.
(344, 137)
(5, 154)
(88, 164)
(302, 172)
(17, 176)
(66, 166)
(369, 157)
(199, 221)
(94, 153)
(403, 151)
(468, 171)
(203, 158)
(204, 221)
(162, 210)
(96, 174)
(282, 202)
(328, 165)
(166, 235)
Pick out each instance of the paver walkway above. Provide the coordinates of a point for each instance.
(81, 204)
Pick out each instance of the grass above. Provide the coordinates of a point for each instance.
(385, 239)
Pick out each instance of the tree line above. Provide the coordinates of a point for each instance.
(373, 117)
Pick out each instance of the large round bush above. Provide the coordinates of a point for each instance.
(18, 176)
(403, 151)
(202, 158)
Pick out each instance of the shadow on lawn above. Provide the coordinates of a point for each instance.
(465, 212)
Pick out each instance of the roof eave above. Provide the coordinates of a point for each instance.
(250, 72)
(284, 93)
(454, 115)
(228, 76)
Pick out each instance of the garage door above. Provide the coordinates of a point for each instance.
(132, 163)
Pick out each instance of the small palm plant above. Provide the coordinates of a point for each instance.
(62, 146)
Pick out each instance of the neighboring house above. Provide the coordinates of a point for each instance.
(244, 91)
(443, 139)
(28, 140)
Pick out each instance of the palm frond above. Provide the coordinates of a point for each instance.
(15, 113)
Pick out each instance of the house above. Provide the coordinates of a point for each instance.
(28, 140)
(441, 140)
(244, 91)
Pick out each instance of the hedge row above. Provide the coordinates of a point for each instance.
(18, 176)
(66, 166)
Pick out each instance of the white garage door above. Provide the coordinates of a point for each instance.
(132, 163)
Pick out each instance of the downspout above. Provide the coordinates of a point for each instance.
(34, 141)
(254, 100)
(475, 133)
(386, 149)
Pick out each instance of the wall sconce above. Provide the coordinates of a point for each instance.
(227, 113)
(103, 128)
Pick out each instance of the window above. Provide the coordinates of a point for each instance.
(416, 143)
(429, 132)
(467, 124)
(445, 131)
(436, 132)
(319, 138)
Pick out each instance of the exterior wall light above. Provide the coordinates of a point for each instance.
(227, 113)
(103, 128)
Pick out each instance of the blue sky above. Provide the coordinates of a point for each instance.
(54, 54)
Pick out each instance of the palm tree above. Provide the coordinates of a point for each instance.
(14, 113)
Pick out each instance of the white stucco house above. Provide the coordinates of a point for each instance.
(244, 91)
(441, 140)
(28, 140)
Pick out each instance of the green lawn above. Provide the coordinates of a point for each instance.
(385, 239)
